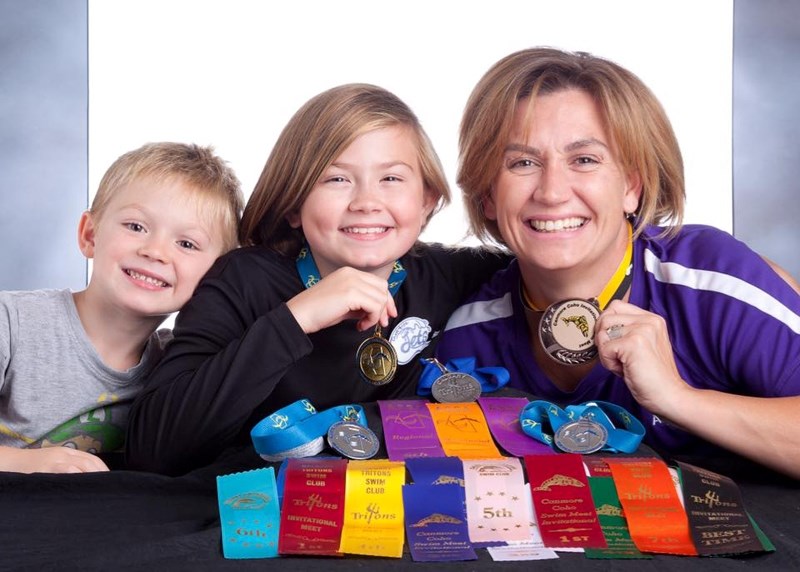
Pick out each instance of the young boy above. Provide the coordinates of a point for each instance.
(70, 363)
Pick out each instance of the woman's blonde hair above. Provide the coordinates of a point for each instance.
(315, 136)
(639, 129)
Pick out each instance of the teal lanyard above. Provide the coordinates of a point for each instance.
(309, 273)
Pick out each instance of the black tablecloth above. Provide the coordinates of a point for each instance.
(125, 520)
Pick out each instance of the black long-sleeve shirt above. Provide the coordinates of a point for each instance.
(238, 354)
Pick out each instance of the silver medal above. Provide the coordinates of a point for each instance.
(353, 441)
(583, 436)
(453, 387)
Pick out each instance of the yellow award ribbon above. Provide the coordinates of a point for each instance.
(373, 508)
(463, 431)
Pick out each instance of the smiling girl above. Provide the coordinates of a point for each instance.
(333, 265)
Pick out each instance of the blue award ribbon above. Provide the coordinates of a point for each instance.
(249, 514)
(436, 523)
(541, 419)
(309, 272)
(436, 470)
(297, 429)
(490, 378)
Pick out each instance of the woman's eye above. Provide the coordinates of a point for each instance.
(521, 164)
(583, 160)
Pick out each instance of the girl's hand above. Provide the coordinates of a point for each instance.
(634, 344)
(344, 294)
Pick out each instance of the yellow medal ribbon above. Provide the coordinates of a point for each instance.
(373, 508)
(613, 285)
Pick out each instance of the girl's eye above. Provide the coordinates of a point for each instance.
(188, 245)
(391, 179)
(336, 179)
(134, 226)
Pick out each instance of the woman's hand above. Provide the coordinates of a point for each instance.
(344, 294)
(634, 344)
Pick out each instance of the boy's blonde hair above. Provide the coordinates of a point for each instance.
(315, 136)
(198, 167)
(640, 131)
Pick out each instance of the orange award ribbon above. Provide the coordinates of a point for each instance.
(656, 518)
(373, 508)
(463, 431)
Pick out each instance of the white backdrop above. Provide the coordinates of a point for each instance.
(230, 73)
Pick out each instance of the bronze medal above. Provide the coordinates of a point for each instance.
(377, 359)
(566, 331)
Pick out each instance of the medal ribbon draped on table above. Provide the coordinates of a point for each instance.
(502, 416)
(584, 428)
(566, 329)
(434, 373)
(376, 356)
(297, 429)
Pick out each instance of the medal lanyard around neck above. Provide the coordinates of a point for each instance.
(614, 289)
(309, 273)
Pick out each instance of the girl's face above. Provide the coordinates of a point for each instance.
(368, 208)
(561, 195)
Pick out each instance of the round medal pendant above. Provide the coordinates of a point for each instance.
(567, 331)
(377, 359)
(454, 387)
(583, 436)
(353, 441)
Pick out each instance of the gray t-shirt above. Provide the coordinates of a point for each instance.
(54, 388)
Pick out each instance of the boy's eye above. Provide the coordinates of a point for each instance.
(134, 226)
(392, 179)
(187, 244)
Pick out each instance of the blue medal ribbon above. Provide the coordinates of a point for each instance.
(490, 378)
(541, 419)
(296, 426)
(309, 272)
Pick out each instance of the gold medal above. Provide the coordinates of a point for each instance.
(377, 359)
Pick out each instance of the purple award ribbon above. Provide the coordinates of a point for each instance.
(502, 416)
(408, 430)
(436, 523)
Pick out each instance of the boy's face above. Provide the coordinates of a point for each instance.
(151, 245)
(369, 206)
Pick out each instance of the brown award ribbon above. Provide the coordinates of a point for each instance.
(717, 520)
(562, 501)
(313, 507)
(656, 518)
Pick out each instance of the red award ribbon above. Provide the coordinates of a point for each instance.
(313, 507)
(463, 431)
(655, 515)
(563, 502)
(495, 489)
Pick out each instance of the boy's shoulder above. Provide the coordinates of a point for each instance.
(11, 299)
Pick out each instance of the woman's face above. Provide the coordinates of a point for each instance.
(560, 197)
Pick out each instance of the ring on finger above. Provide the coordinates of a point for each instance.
(614, 332)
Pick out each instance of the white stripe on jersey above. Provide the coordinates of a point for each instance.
(674, 273)
(478, 312)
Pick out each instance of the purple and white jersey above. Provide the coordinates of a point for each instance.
(733, 322)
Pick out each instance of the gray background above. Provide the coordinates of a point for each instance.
(44, 158)
(43, 142)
